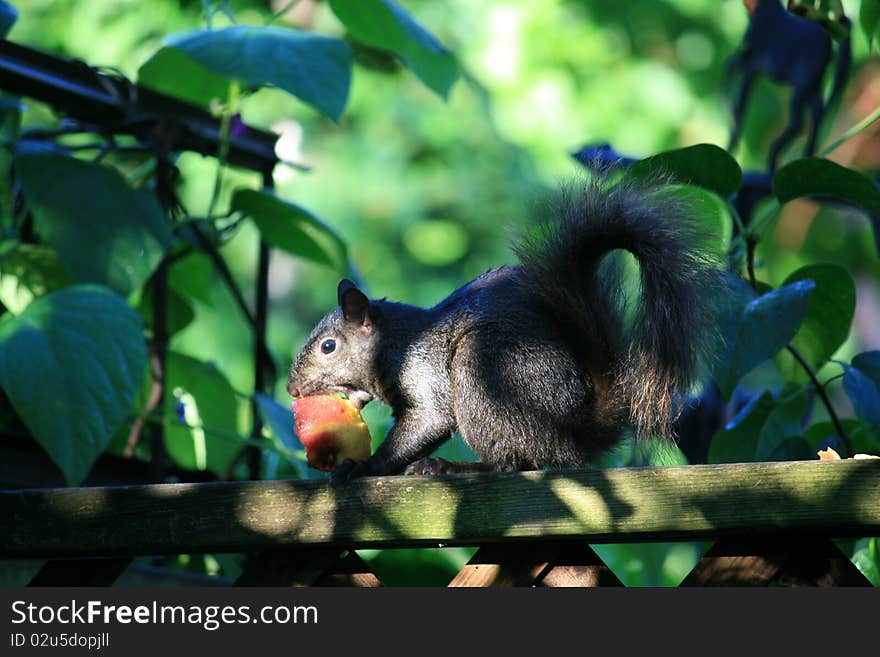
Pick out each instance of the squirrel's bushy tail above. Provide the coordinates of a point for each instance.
(636, 366)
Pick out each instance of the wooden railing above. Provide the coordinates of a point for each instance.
(772, 523)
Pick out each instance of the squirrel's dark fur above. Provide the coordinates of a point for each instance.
(536, 364)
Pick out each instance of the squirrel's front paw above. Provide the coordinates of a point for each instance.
(348, 470)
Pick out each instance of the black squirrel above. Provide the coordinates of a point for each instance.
(534, 364)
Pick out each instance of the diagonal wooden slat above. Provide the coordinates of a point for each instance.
(763, 561)
(351, 570)
(535, 563)
(578, 565)
(515, 564)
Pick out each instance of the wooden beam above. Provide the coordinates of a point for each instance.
(839, 498)
(577, 564)
(535, 563)
(780, 561)
(351, 570)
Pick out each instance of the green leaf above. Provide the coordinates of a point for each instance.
(781, 437)
(198, 391)
(28, 271)
(316, 69)
(793, 448)
(867, 559)
(291, 228)
(737, 442)
(8, 16)
(817, 177)
(386, 25)
(767, 324)
(703, 165)
(454, 449)
(71, 365)
(649, 564)
(827, 322)
(869, 17)
(708, 209)
(655, 451)
(869, 363)
(864, 395)
(823, 434)
(729, 311)
(172, 72)
(280, 420)
(192, 276)
(422, 566)
(179, 312)
(102, 230)
(861, 382)
(11, 110)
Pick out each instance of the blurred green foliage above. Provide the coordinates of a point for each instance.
(432, 190)
(426, 193)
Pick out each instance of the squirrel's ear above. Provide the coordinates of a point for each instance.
(354, 303)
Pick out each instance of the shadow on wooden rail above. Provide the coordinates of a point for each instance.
(550, 511)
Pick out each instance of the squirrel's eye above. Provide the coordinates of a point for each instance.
(328, 346)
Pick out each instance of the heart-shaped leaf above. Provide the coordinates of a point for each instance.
(824, 434)
(71, 365)
(861, 381)
(102, 230)
(192, 276)
(280, 421)
(291, 228)
(729, 312)
(708, 209)
(738, 441)
(178, 311)
(767, 324)
(704, 165)
(869, 363)
(8, 16)
(386, 25)
(316, 69)
(781, 437)
(172, 72)
(28, 271)
(827, 322)
(817, 177)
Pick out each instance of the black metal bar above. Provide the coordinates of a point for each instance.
(158, 466)
(263, 370)
(113, 103)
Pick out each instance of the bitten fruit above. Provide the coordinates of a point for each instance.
(331, 429)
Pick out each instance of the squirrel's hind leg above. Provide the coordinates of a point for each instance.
(519, 398)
